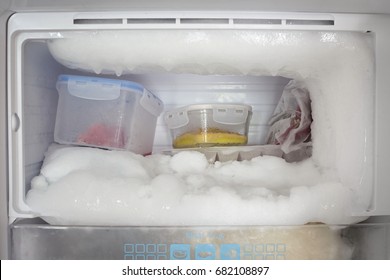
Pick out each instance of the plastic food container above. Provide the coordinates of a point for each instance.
(106, 113)
(206, 125)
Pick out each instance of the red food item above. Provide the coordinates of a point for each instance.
(103, 135)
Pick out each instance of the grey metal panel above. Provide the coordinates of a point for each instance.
(4, 231)
(32, 239)
(5, 6)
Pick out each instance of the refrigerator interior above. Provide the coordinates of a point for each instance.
(32, 108)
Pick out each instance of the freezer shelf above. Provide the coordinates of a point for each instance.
(240, 153)
(33, 239)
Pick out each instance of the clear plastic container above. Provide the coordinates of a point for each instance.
(106, 113)
(207, 125)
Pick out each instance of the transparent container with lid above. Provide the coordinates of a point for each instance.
(207, 125)
(106, 113)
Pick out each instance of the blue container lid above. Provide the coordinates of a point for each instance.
(102, 89)
(103, 81)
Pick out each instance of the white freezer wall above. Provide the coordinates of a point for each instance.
(39, 106)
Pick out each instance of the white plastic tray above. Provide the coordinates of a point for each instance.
(241, 153)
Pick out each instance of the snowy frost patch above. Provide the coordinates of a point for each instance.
(87, 186)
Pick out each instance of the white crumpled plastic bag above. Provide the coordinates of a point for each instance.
(291, 120)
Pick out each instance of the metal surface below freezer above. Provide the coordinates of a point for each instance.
(33, 239)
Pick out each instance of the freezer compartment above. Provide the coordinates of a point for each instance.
(337, 64)
(33, 239)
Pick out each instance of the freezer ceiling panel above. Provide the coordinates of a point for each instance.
(358, 6)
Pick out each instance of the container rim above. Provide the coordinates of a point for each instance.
(207, 106)
(107, 81)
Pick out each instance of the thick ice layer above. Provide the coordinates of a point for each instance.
(336, 67)
(87, 186)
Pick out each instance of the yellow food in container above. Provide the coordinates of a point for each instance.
(207, 125)
(211, 137)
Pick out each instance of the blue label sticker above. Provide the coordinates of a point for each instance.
(230, 251)
(180, 251)
(205, 252)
